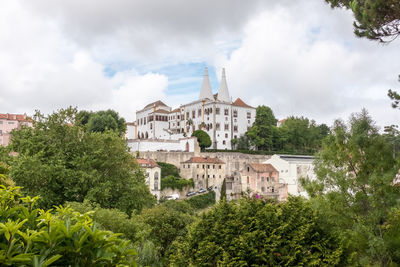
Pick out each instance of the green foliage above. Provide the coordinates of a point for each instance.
(176, 183)
(201, 201)
(256, 233)
(395, 97)
(375, 19)
(61, 162)
(34, 237)
(168, 169)
(223, 190)
(354, 188)
(261, 134)
(203, 138)
(101, 121)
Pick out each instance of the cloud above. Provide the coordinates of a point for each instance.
(306, 65)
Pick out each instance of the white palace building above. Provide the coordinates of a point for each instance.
(159, 127)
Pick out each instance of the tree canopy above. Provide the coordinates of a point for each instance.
(355, 188)
(101, 121)
(60, 161)
(203, 138)
(374, 19)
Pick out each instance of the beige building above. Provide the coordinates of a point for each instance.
(153, 175)
(205, 171)
(263, 179)
(9, 122)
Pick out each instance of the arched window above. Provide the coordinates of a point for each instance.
(138, 135)
(156, 181)
(147, 135)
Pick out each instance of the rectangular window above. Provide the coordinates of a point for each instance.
(11, 122)
(187, 115)
(226, 112)
(235, 128)
(199, 112)
(226, 127)
(217, 111)
(249, 115)
(235, 113)
(217, 127)
(1, 122)
(193, 114)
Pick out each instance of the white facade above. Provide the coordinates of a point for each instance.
(153, 175)
(291, 168)
(188, 144)
(221, 118)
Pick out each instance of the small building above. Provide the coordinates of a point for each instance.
(9, 122)
(153, 175)
(263, 179)
(233, 186)
(291, 168)
(205, 171)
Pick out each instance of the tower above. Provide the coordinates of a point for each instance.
(206, 91)
(223, 93)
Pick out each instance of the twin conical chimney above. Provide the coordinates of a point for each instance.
(223, 93)
(205, 91)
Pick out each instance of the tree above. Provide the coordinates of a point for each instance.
(101, 121)
(203, 138)
(354, 188)
(393, 95)
(63, 237)
(254, 232)
(261, 133)
(60, 161)
(375, 19)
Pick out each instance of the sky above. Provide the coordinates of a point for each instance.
(300, 58)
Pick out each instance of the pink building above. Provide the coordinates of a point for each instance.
(9, 122)
(263, 179)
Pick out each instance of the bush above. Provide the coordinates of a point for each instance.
(174, 183)
(202, 201)
(168, 169)
(203, 138)
(64, 237)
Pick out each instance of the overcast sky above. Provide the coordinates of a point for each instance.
(298, 57)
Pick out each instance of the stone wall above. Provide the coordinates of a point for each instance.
(234, 161)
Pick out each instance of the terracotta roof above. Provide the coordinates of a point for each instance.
(259, 167)
(204, 160)
(131, 123)
(176, 110)
(157, 103)
(147, 163)
(161, 111)
(15, 117)
(239, 102)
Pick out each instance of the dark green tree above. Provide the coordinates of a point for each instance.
(355, 188)
(60, 161)
(261, 133)
(101, 121)
(374, 19)
(254, 232)
(203, 138)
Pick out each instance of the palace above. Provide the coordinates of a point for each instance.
(222, 118)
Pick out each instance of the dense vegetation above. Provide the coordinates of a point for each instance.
(296, 134)
(168, 169)
(203, 138)
(201, 201)
(61, 237)
(60, 161)
(101, 121)
(176, 183)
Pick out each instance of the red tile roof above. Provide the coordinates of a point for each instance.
(156, 103)
(176, 110)
(147, 163)
(161, 111)
(204, 160)
(239, 102)
(259, 167)
(15, 117)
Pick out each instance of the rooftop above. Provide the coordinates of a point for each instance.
(147, 163)
(260, 167)
(204, 160)
(15, 117)
(239, 102)
(155, 104)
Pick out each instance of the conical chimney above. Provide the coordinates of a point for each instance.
(223, 93)
(206, 91)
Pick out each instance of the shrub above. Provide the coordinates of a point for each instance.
(30, 236)
(168, 169)
(203, 138)
(174, 183)
(202, 201)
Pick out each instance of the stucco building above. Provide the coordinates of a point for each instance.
(9, 122)
(291, 168)
(222, 118)
(153, 175)
(205, 171)
(263, 179)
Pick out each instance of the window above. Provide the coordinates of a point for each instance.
(248, 169)
(187, 115)
(197, 176)
(226, 127)
(156, 181)
(197, 166)
(219, 167)
(226, 135)
(262, 179)
(248, 180)
(217, 111)
(235, 113)
(208, 176)
(208, 166)
(199, 112)
(267, 179)
(272, 189)
(213, 175)
(188, 166)
(235, 128)
(203, 166)
(193, 114)
(151, 126)
(217, 127)
(226, 112)
(249, 115)
(263, 189)
(1, 122)
(11, 122)
(224, 142)
(213, 166)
